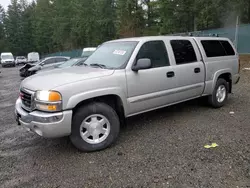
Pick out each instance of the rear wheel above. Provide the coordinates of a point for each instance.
(95, 127)
(220, 94)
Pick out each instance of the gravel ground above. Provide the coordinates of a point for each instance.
(164, 148)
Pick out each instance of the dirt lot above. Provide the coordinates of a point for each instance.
(164, 148)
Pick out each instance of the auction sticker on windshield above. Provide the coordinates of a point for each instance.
(119, 52)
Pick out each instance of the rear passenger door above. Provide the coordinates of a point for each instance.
(189, 69)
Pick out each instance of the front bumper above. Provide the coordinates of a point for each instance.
(20, 62)
(8, 63)
(50, 125)
(236, 78)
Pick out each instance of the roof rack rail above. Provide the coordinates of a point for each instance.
(196, 34)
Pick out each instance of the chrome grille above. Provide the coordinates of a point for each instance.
(26, 98)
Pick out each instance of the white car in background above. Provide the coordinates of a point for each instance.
(7, 59)
(33, 57)
(86, 52)
(21, 60)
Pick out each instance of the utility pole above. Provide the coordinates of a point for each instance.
(236, 33)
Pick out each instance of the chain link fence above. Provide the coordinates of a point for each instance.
(72, 53)
(243, 36)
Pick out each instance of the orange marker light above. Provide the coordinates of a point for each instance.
(54, 96)
(52, 107)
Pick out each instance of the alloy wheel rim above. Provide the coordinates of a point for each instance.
(95, 129)
(221, 93)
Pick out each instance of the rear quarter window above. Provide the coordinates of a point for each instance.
(228, 48)
(217, 48)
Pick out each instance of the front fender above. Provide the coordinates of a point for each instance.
(76, 99)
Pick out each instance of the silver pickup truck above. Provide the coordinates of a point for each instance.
(124, 78)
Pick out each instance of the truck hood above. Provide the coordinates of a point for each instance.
(49, 80)
(48, 69)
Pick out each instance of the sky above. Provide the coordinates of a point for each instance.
(5, 3)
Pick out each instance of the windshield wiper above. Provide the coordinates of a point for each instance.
(98, 65)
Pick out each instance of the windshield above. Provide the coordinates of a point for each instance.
(69, 63)
(7, 57)
(87, 53)
(20, 57)
(113, 54)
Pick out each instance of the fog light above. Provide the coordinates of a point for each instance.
(48, 119)
(47, 107)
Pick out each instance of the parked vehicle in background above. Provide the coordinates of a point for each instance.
(124, 78)
(70, 63)
(7, 59)
(30, 69)
(33, 57)
(86, 52)
(20, 60)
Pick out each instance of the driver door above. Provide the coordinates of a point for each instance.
(151, 88)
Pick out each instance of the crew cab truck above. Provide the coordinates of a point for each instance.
(123, 78)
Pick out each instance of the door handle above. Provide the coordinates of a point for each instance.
(170, 74)
(197, 70)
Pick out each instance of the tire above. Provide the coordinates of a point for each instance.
(219, 101)
(84, 114)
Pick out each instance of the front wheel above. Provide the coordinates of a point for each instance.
(95, 127)
(220, 94)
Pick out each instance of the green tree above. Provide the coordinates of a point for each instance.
(49, 26)
(43, 26)
(12, 24)
(105, 17)
(130, 20)
(27, 39)
(84, 23)
(151, 16)
(3, 44)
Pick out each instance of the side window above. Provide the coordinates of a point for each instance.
(183, 51)
(61, 59)
(49, 61)
(213, 48)
(228, 48)
(156, 52)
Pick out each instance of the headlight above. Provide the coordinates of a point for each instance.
(48, 96)
(50, 101)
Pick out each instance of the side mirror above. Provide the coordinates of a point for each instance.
(142, 64)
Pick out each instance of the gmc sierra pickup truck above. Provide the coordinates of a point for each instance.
(123, 78)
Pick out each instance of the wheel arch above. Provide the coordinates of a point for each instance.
(112, 100)
(225, 74)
